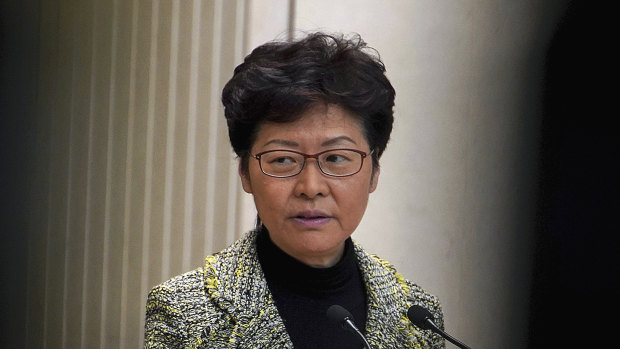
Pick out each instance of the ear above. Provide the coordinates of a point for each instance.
(374, 180)
(245, 178)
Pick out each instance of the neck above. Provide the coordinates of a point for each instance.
(282, 268)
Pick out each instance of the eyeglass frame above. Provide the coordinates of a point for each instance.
(311, 156)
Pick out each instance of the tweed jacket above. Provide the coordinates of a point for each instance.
(227, 304)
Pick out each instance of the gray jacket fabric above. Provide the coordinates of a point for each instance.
(227, 304)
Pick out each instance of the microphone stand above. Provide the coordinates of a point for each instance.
(423, 318)
(445, 335)
(357, 331)
(340, 316)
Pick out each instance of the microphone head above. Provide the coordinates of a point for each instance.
(339, 315)
(419, 315)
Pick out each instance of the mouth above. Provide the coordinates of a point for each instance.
(312, 219)
(311, 214)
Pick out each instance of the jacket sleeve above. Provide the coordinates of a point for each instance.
(165, 326)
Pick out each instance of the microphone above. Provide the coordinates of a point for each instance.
(340, 316)
(423, 318)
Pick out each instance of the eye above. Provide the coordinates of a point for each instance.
(336, 158)
(282, 160)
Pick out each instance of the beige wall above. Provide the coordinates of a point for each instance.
(136, 181)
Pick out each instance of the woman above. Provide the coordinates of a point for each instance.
(309, 121)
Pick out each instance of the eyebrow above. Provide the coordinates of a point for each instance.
(282, 142)
(328, 142)
(337, 140)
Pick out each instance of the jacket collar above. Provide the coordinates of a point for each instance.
(236, 284)
(386, 292)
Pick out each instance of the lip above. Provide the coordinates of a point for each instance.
(311, 218)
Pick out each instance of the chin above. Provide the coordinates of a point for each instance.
(318, 245)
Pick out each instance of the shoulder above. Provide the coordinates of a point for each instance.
(239, 253)
(181, 283)
(186, 309)
(174, 309)
(393, 293)
(378, 267)
(191, 286)
(183, 289)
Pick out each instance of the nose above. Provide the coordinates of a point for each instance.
(311, 182)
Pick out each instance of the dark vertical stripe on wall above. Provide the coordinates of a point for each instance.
(39, 174)
(19, 45)
(222, 156)
(59, 178)
(130, 324)
(75, 229)
(156, 141)
(205, 74)
(116, 168)
(96, 190)
(176, 153)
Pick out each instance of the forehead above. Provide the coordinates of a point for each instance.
(318, 124)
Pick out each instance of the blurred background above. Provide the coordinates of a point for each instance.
(498, 191)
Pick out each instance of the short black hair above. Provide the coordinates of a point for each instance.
(280, 80)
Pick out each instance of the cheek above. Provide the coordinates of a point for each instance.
(270, 196)
(353, 197)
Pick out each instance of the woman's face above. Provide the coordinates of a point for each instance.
(309, 216)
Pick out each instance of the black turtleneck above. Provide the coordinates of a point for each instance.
(302, 295)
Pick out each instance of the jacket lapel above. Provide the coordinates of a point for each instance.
(387, 325)
(236, 284)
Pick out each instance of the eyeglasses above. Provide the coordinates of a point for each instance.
(289, 163)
